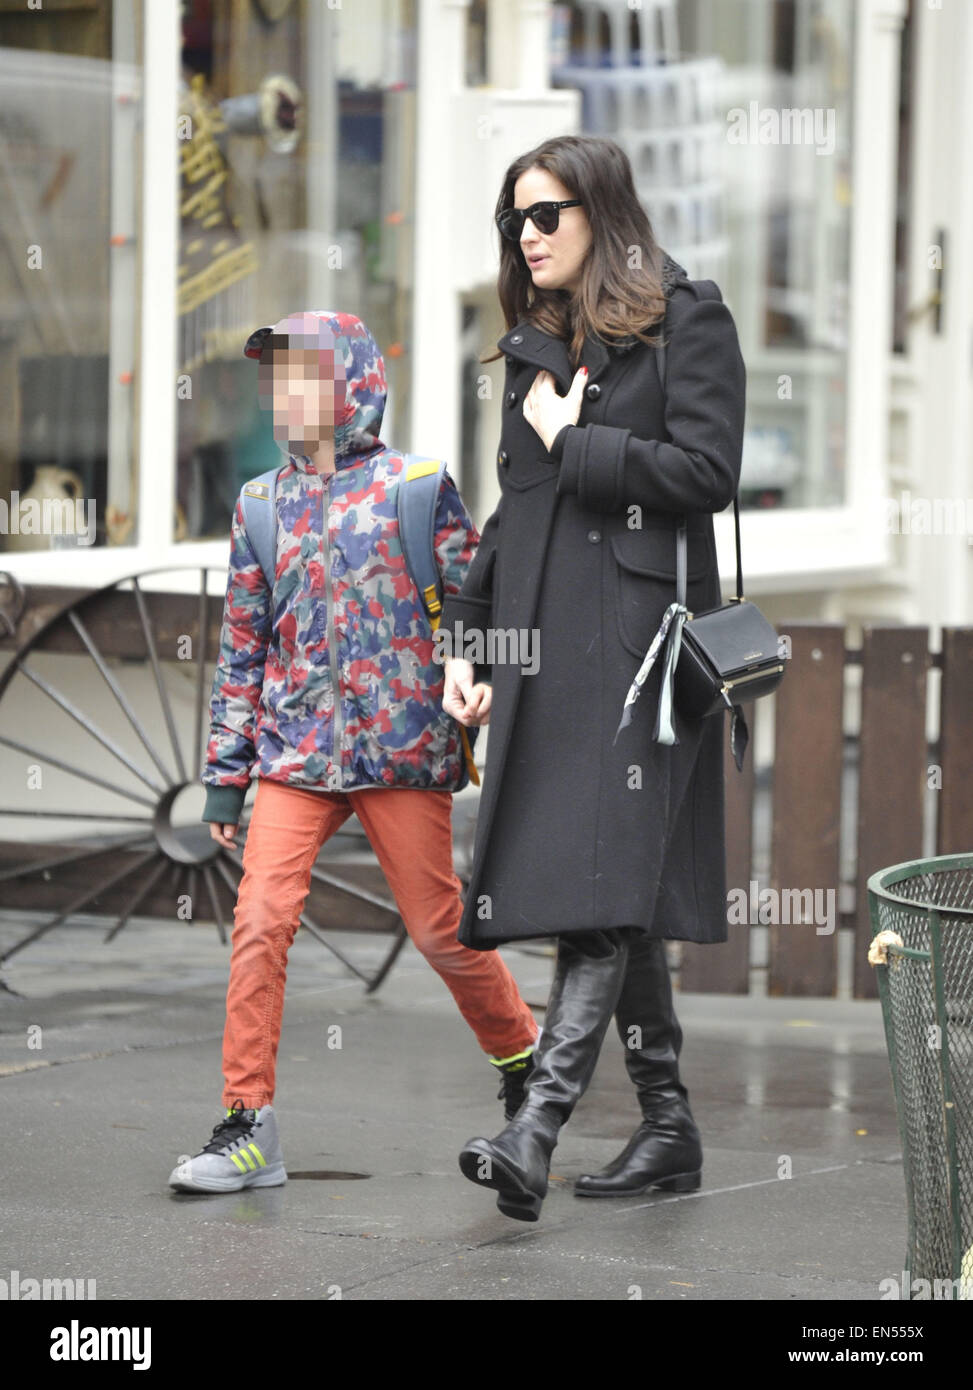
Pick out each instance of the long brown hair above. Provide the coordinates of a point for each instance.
(614, 299)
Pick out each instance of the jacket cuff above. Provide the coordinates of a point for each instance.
(462, 618)
(557, 444)
(567, 448)
(224, 804)
(468, 611)
(593, 465)
(472, 617)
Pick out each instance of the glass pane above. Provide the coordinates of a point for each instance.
(69, 289)
(736, 116)
(295, 193)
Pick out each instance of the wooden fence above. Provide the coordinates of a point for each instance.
(911, 794)
(853, 785)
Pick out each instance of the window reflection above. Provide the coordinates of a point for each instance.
(69, 209)
(736, 116)
(302, 200)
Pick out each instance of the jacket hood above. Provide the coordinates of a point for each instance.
(358, 364)
(671, 272)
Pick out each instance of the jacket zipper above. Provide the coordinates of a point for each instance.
(332, 647)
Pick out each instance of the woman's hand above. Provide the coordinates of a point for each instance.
(468, 703)
(547, 411)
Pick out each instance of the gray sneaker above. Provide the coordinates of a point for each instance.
(243, 1152)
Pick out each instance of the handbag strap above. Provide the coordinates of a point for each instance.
(681, 541)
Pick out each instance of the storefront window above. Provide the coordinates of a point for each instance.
(736, 116)
(296, 187)
(70, 82)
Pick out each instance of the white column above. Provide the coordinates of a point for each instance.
(435, 315)
(518, 38)
(160, 251)
(322, 37)
(533, 44)
(877, 37)
(501, 34)
(942, 566)
(123, 296)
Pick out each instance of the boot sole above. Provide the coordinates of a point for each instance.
(513, 1198)
(677, 1182)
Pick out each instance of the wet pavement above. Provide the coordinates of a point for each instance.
(124, 1076)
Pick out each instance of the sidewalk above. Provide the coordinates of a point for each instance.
(128, 1078)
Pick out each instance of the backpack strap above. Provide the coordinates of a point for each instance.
(418, 495)
(416, 502)
(258, 499)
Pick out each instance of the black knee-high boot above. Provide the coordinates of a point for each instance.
(665, 1151)
(587, 983)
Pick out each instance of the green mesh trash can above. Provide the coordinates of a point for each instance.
(922, 915)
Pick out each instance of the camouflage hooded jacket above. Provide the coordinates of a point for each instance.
(330, 681)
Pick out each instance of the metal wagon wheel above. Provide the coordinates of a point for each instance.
(141, 652)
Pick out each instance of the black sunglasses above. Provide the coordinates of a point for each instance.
(545, 217)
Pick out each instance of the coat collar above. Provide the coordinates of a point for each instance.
(528, 343)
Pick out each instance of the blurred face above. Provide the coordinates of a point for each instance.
(305, 388)
(555, 260)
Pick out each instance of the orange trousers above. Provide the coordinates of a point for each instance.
(411, 834)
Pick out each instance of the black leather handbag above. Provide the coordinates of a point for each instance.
(727, 654)
(715, 659)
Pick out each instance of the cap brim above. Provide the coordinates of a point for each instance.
(255, 343)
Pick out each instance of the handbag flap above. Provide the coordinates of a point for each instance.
(736, 637)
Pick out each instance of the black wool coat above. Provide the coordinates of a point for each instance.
(575, 832)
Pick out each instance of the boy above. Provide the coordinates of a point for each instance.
(327, 693)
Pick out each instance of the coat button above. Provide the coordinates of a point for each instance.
(510, 360)
(511, 397)
(594, 536)
(503, 457)
(517, 338)
(593, 391)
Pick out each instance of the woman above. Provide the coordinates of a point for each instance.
(610, 845)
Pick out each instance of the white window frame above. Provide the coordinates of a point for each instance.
(156, 441)
(787, 550)
(804, 549)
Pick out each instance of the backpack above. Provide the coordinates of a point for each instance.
(416, 511)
